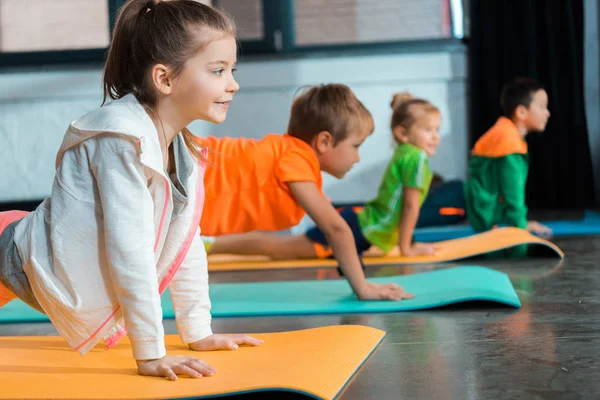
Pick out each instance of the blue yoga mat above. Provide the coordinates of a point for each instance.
(589, 225)
(431, 289)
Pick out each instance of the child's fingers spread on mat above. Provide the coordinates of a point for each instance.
(171, 375)
(223, 342)
(398, 288)
(189, 366)
(232, 345)
(396, 292)
(170, 366)
(185, 370)
(249, 340)
(202, 366)
(388, 291)
(405, 295)
(165, 371)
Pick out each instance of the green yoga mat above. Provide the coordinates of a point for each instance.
(431, 289)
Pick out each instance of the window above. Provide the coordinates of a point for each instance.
(288, 26)
(257, 23)
(369, 21)
(248, 16)
(33, 25)
(34, 32)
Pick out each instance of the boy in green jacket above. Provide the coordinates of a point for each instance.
(494, 193)
(495, 187)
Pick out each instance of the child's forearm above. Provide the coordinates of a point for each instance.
(344, 249)
(408, 222)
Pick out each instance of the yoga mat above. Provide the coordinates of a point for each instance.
(451, 250)
(589, 225)
(431, 289)
(318, 363)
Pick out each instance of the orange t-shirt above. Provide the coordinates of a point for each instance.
(246, 183)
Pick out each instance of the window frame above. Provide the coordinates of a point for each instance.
(275, 17)
(279, 40)
(280, 36)
(50, 57)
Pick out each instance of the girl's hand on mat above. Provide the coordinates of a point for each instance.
(171, 366)
(224, 342)
(387, 291)
(420, 249)
(537, 228)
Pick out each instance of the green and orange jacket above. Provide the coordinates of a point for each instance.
(497, 174)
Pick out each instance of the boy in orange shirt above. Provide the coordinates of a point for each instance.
(269, 184)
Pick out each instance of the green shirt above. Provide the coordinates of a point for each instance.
(380, 219)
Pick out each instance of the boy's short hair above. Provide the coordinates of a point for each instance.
(518, 92)
(333, 108)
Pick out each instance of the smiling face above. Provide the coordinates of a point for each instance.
(206, 85)
(423, 132)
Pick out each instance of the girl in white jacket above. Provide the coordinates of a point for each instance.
(121, 224)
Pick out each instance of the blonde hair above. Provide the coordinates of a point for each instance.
(149, 32)
(403, 105)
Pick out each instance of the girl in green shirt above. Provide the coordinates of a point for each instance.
(390, 218)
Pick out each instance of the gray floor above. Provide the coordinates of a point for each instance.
(549, 349)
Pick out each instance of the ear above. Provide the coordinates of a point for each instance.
(521, 112)
(161, 79)
(399, 133)
(322, 142)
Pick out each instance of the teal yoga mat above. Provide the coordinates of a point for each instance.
(431, 289)
(589, 225)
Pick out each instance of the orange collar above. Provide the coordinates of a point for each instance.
(500, 140)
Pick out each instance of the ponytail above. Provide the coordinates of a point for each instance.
(150, 32)
(403, 104)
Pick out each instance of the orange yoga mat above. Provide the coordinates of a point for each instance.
(450, 250)
(318, 362)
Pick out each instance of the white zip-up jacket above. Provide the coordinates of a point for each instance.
(102, 247)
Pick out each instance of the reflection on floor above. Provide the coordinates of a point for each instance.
(548, 349)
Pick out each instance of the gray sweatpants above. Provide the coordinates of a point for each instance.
(12, 275)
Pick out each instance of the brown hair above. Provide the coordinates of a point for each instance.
(333, 108)
(403, 105)
(149, 32)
